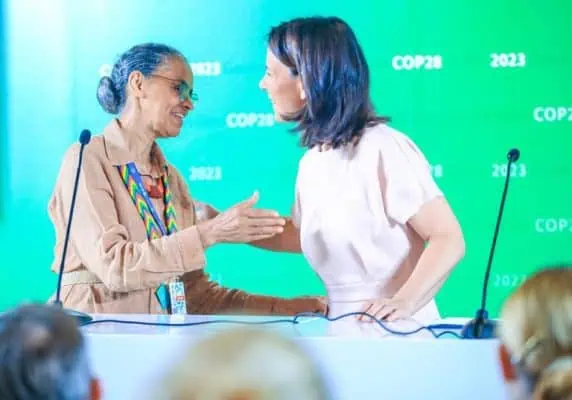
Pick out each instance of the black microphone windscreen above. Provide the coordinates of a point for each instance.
(513, 155)
(85, 136)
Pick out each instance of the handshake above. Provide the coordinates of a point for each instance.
(241, 223)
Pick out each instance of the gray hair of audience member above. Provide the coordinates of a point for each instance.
(42, 355)
(245, 364)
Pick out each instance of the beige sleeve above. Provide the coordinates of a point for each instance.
(207, 297)
(104, 245)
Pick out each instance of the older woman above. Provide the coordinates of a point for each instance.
(135, 241)
(368, 215)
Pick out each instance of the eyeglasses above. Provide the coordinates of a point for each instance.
(185, 91)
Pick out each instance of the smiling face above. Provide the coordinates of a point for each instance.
(165, 97)
(284, 90)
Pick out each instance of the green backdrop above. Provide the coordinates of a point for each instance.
(466, 80)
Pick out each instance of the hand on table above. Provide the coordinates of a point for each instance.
(388, 310)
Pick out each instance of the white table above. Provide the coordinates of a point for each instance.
(131, 359)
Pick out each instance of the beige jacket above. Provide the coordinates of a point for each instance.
(111, 266)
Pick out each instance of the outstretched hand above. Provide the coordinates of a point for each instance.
(242, 223)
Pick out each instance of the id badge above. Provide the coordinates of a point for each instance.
(177, 297)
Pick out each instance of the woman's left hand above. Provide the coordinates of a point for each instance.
(389, 310)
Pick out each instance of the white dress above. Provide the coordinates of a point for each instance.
(352, 207)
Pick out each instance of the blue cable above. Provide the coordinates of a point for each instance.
(431, 328)
(184, 324)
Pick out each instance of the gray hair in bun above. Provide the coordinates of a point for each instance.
(145, 58)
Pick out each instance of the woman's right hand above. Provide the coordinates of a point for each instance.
(241, 224)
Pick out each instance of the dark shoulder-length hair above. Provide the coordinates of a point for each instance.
(325, 53)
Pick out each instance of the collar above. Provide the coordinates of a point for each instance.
(119, 152)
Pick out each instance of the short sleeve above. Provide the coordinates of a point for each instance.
(296, 211)
(404, 176)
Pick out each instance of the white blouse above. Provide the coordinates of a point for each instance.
(352, 207)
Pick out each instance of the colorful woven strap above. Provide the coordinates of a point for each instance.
(151, 226)
(170, 214)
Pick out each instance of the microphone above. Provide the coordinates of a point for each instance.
(81, 318)
(481, 327)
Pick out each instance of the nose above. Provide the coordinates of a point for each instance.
(188, 104)
(262, 84)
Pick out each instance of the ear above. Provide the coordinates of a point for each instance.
(507, 368)
(135, 83)
(96, 393)
(301, 90)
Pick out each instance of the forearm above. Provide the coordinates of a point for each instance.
(207, 297)
(287, 241)
(432, 270)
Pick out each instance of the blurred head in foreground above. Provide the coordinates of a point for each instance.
(536, 337)
(43, 356)
(245, 365)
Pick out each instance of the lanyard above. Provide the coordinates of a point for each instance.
(172, 295)
(154, 224)
(143, 192)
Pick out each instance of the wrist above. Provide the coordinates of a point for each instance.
(207, 233)
(402, 297)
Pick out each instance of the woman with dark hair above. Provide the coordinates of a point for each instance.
(368, 215)
(136, 245)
